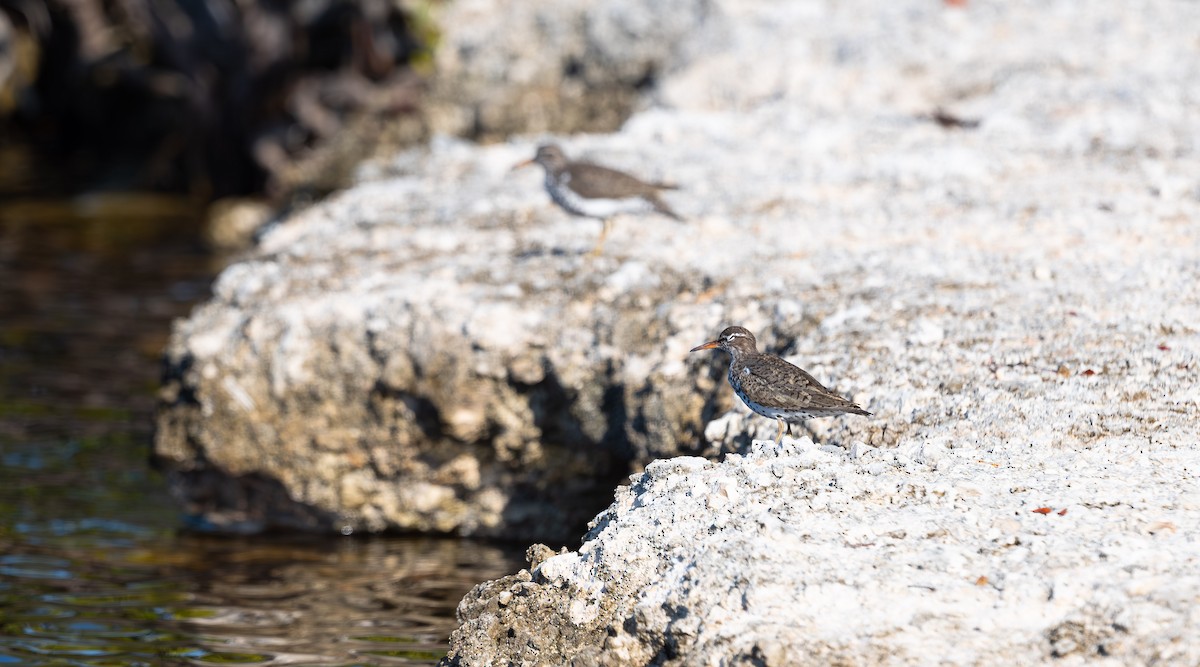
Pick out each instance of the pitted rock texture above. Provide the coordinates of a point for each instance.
(434, 350)
(558, 65)
(939, 551)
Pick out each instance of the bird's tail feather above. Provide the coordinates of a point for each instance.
(661, 206)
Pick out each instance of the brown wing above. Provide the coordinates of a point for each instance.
(594, 181)
(777, 383)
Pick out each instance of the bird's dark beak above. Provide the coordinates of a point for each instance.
(521, 165)
(712, 344)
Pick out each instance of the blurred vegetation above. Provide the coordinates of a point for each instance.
(209, 98)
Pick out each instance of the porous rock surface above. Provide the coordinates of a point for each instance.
(940, 551)
(511, 66)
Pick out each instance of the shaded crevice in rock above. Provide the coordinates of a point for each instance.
(613, 406)
(388, 404)
(550, 408)
(213, 499)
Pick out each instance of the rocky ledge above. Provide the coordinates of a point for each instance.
(939, 551)
(978, 222)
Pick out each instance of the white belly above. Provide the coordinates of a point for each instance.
(762, 409)
(595, 208)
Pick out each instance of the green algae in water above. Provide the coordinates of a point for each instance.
(193, 613)
(233, 658)
(410, 654)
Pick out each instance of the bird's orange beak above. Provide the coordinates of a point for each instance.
(707, 346)
(521, 165)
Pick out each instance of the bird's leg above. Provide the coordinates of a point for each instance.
(779, 436)
(600, 241)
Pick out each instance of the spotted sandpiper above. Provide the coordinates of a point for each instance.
(773, 387)
(593, 191)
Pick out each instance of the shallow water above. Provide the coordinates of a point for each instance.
(94, 569)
